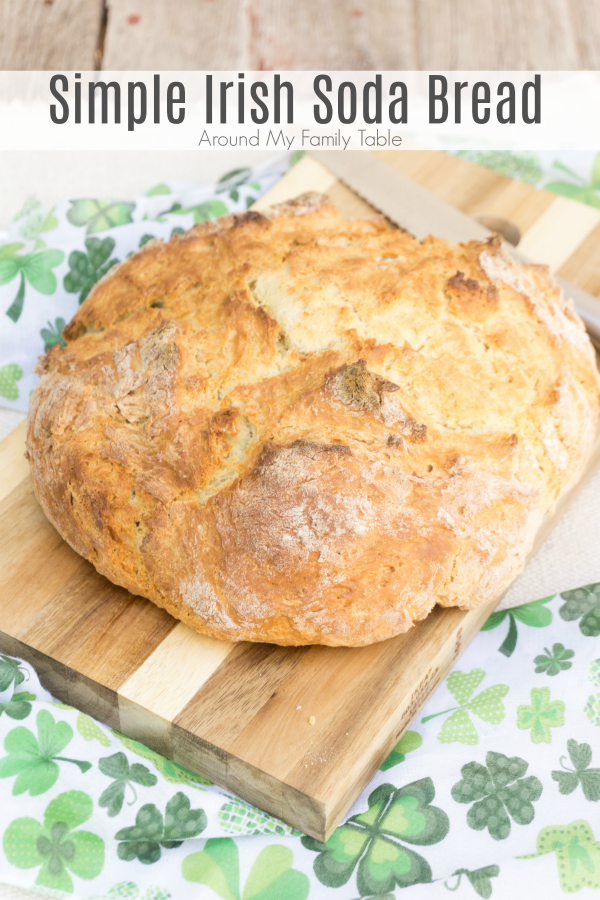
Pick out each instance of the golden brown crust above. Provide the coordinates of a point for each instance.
(288, 427)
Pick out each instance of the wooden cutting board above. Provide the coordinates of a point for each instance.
(240, 714)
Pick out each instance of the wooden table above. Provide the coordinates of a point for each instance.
(299, 34)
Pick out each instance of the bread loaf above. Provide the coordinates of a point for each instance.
(292, 428)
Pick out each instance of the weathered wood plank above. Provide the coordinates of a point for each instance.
(278, 34)
(260, 35)
(50, 34)
(460, 34)
(352, 35)
(192, 34)
(343, 34)
(586, 26)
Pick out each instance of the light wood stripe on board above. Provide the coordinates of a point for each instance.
(14, 465)
(558, 232)
(583, 267)
(307, 171)
(173, 674)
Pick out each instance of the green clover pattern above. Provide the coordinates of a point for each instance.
(584, 604)
(89, 730)
(499, 792)
(57, 847)
(19, 705)
(34, 268)
(554, 661)
(577, 854)
(34, 220)
(34, 759)
(581, 774)
(85, 269)
(53, 334)
(375, 842)
(271, 877)
(12, 672)
(99, 215)
(202, 212)
(479, 879)
(487, 706)
(524, 166)
(535, 615)
(169, 770)
(411, 740)
(152, 831)
(592, 707)
(128, 890)
(541, 715)
(10, 375)
(124, 776)
(237, 817)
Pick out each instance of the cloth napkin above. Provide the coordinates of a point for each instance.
(493, 792)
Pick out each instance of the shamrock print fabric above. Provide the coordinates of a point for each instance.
(50, 260)
(494, 791)
(379, 840)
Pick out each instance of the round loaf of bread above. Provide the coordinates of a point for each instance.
(293, 428)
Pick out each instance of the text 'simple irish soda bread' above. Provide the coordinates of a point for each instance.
(292, 428)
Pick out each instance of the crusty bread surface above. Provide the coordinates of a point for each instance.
(292, 428)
